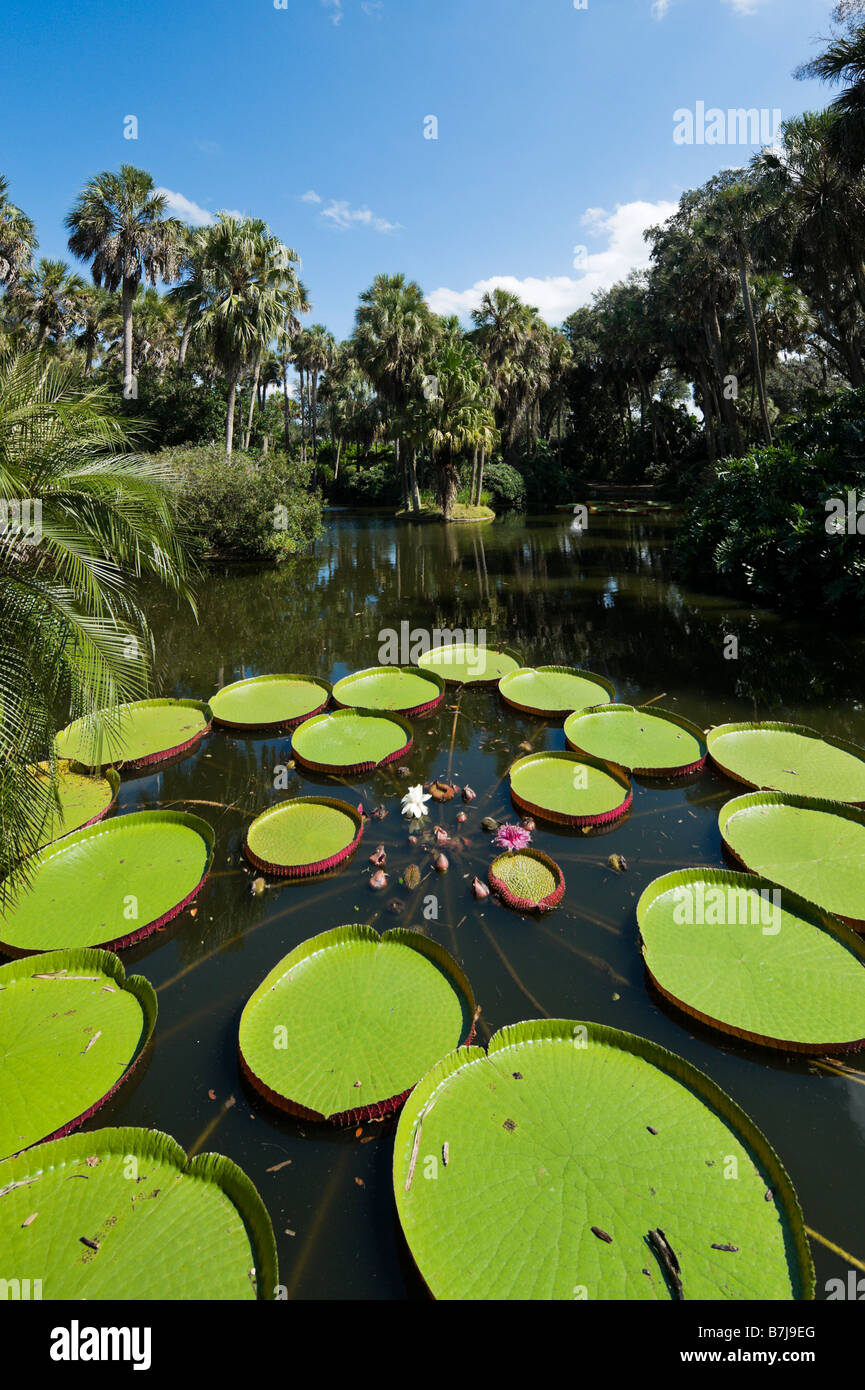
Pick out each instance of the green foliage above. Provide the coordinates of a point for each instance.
(504, 487)
(760, 531)
(248, 507)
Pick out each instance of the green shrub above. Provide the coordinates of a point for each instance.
(763, 529)
(503, 487)
(248, 507)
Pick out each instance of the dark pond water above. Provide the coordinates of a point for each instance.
(603, 600)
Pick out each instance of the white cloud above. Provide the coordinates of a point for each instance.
(660, 8)
(373, 8)
(186, 210)
(342, 215)
(556, 296)
(336, 6)
(310, 197)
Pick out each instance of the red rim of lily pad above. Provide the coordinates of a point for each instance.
(510, 899)
(119, 943)
(597, 819)
(319, 866)
(549, 714)
(109, 965)
(668, 716)
(162, 755)
(278, 724)
(357, 769)
(416, 712)
(376, 1110)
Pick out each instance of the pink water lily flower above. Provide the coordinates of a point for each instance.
(512, 837)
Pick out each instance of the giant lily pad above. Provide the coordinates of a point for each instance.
(136, 735)
(123, 1213)
(72, 1027)
(348, 1022)
(262, 702)
(559, 1157)
(527, 881)
(466, 663)
(84, 799)
(649, 742)
(305, 836)
(754, 960)
(554, 691)
(351, 741)
(790, 758)
(815, 848)
(570, 790)
(402, 689)
(109, 885)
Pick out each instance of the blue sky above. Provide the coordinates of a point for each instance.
(555, 125)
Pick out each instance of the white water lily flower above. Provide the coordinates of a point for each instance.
(414, 802)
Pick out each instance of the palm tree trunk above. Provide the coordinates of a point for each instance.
(126, 299)
(480, 486)
(338, 454)
(302, 418)
(313, 410)
(755, 348)
(286, 409)
(252, 399)
(412, 479)
(184, 344)
(229, 423)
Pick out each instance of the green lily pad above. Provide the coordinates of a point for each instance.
(305, 836)
(464, 663)
(72, 1027)
(348, 1022)
(403, 689)
(754, 960)
(815, 848)
(124, 1213)
(527, 881)
(570, 790)
(84, 799)
(264, 702)
(790, 758)
(649, 742)
(136, 735)
(350, 740)
(567, 1144)
(109, 885)
(554, 691)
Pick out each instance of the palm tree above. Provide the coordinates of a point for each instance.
(97, 311)
(460, 416)
(814, 228)
(394, 330)
(74, 640)
(17, 239)
(317, 351)
(118, 224)
(52, 300)
(248, 287)
(844, 61)
(503, 329)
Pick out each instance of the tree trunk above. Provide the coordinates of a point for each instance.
(399, 465)
(755, 348)
(479, 486)
(302, 418)
(412, 482)
(338, 454)
(229, 423)
(449, 488)
(252, 399)
(313, 410)
(727, 407)
(286, 408)
(184, 344)
(126, 299)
